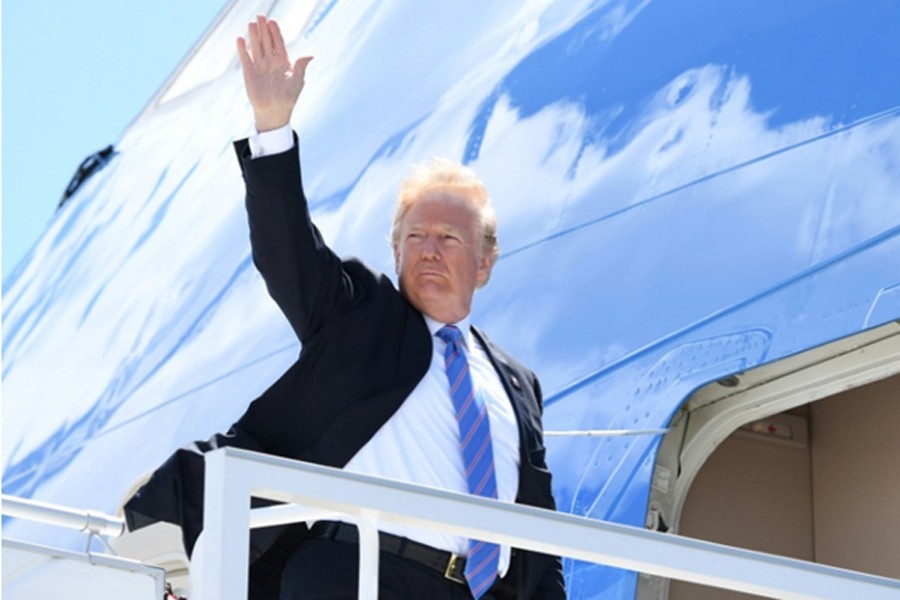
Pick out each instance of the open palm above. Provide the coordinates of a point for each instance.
(272, 82)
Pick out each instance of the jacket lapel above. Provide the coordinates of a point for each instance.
(512, 383)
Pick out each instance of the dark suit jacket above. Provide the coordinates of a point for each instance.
(364, 350)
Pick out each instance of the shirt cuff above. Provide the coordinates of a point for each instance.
(271, 142)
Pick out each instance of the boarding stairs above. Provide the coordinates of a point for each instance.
(313, 492)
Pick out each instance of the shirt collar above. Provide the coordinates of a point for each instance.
(464, 326)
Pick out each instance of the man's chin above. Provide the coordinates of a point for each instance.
(430, 294)
(425, 296)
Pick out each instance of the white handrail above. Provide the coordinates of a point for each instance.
(233, 475)
(605, 432)
(88, 521)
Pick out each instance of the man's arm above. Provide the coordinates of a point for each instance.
(303, 276)
(551, 585)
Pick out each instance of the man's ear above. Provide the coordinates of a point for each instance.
(396, 250)
(485, 265)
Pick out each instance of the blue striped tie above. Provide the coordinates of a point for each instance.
(478, 455)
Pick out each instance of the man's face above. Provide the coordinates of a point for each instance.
(439, 256)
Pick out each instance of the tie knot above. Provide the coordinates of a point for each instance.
(450, 334)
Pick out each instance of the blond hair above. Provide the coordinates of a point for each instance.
(448, 175)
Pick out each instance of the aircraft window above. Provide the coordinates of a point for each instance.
(216, 54)
(88, 167)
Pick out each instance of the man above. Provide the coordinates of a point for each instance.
(391, 383)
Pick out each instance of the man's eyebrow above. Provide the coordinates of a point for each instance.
(439, 226)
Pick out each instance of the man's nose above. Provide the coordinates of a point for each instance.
(430, 248)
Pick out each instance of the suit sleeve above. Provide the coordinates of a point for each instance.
(174, 493)
(551, 585)
(304, 277)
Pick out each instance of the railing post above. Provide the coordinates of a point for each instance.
(368, 557)
(226, 530)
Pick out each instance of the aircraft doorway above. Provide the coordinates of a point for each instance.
(796, 458)
(820, 483)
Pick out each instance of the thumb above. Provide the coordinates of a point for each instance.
(300, 66)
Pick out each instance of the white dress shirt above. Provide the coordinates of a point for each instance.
(420, 442)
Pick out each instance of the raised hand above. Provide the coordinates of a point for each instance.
(272, 82)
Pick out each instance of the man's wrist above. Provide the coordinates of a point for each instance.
(265, 127)
(266, 123)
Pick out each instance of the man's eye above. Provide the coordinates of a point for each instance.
(450, 237)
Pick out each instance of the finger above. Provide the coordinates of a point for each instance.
(255, 48)
(265, 39)
(278, 47)
(242, 53)
(300, 66)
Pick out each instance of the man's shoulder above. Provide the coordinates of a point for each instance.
(364, 274)
(502, 356)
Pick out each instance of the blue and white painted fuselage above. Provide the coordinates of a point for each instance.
(686, 191)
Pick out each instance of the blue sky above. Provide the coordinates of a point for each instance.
(74, 76)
